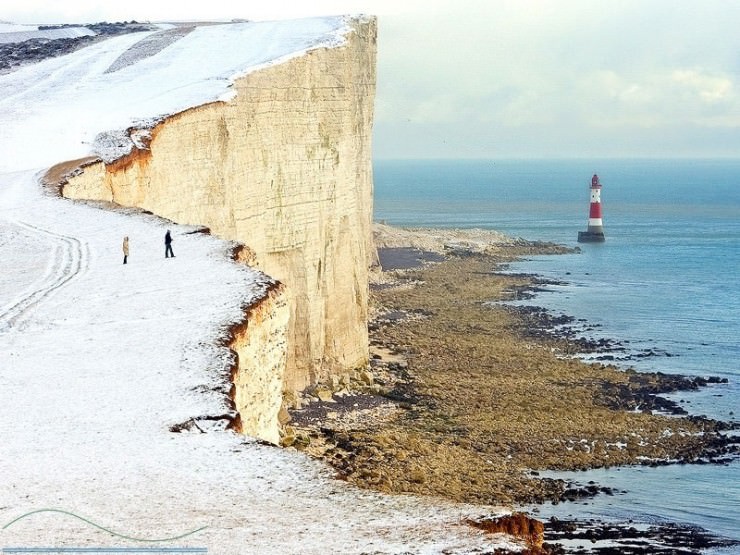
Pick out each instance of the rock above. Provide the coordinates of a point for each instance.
(367, 377)
(301, 442)
(288, 436)
(289, 398)
(283, 416)
(324, 394)
(519, 525)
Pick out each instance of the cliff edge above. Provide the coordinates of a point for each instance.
(283, 167)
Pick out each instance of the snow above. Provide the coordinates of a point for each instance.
(99, 359)
(194, 70)
(7, 27)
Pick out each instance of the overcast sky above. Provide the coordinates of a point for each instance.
(516, 78)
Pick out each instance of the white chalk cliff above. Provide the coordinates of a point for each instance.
(284, 168)
(114, 379)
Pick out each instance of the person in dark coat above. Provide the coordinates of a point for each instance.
(168, 245)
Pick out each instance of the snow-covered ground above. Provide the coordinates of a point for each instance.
(98, 359)
(19, 33)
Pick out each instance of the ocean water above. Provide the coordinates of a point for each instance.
(667, 279)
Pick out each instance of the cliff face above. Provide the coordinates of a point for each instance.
(260, 348)
(284, 168)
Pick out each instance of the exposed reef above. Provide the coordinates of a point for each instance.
(468, 398)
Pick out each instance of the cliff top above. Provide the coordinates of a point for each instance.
(76, 97)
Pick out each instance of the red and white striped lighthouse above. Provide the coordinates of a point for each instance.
(595, 232)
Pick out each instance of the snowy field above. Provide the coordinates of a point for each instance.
(98, 359)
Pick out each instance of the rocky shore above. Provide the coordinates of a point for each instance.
(468, 398)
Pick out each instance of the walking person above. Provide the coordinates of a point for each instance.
(125, 249)
(168, 245)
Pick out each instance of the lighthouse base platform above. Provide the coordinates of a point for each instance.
(590, 237)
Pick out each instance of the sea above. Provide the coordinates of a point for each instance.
(667, 279)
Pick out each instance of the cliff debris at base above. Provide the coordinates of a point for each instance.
(472, 405)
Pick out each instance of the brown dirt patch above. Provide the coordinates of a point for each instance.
(56, 176)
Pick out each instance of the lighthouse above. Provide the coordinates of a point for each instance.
(595, 232)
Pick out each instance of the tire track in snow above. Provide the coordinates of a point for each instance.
(70, 259)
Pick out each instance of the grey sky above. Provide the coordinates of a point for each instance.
(520, 78)
(561, 78)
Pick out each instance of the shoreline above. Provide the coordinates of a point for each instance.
(465, 396)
